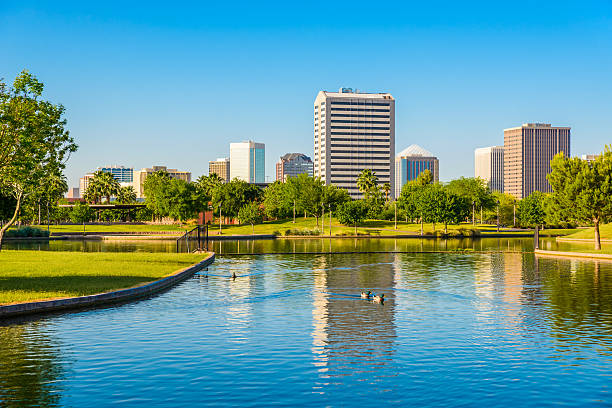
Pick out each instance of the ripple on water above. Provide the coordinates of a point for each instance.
(460, 329)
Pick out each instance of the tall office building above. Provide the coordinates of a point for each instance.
(354, 131)
(120, 173)
(489, 166)
(141, 175)
(292, 165)
(528, 150)
(221, 167)
(248, 161)
(411, 162)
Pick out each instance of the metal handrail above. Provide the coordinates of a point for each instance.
(198, 234)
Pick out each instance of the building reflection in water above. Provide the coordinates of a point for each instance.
(352, 336)
(30, 368)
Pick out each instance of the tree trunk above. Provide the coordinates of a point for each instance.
(253, 229)
(12, 220)
(445, 228)
(38, 212)
(355, 229)
(597, 237)
(434, 226)
(421, 227)
(317, 218)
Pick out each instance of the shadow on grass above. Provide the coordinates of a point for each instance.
(67, 286)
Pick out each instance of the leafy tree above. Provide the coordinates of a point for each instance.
(531, 209)
(233, 196)
(33, 141)
(367, 182)
(182, 200)
(424, 178)
(583, 190)
(506, 209)
(475, 190)
(206, 185)
(155, 191)
(277, 203)
(334, 196)
(81, 213)
(250, 214)
(352, 213)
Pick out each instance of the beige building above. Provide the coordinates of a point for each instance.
(589, 157)
(528, 150)
(489, 166)
(84, 182)
(354, 131)
(221, 167)
(141, 175)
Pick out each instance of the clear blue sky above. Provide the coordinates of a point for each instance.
(174, 83)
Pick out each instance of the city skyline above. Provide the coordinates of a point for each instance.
(130, 98)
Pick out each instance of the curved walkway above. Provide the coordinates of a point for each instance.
(101, 299)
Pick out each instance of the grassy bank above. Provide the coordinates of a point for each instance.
(589, 233)
(117, 228)
(36, 275)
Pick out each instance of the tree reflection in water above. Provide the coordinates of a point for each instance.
(30, 367)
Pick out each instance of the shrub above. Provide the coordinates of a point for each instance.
(303, 232)
(27, 232)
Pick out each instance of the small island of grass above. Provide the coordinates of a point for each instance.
(27, 276)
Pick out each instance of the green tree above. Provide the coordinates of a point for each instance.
(34, 143)
(277, 203)
(182, 200)
(103, 184)
(352, 213)
(126, 195)
(81, 213)
(475, 190)
(424, 178)
(334, 196)
(531, 210)
(233, 196)
(583, 190)
(206, 184)
(250, 213)
(156, 193)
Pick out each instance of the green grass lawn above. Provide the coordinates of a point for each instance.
(585, 247)
(118, 228)
(35, 275)
(605, 232)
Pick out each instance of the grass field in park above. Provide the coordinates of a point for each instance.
(605, 232)
(36, 275)
(179, 229)
(305, 226)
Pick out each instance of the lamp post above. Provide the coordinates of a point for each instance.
(497, 215)
(330, 216)
(220, 222)
(395, 203)
(473, 212)
(514, 216)
(322, 219)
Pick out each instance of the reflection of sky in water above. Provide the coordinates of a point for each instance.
(476, 329)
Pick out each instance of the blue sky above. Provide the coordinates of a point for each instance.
(174, 83)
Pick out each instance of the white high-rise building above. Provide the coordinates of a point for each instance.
(489, 166)
(354, 131)
(248, 161)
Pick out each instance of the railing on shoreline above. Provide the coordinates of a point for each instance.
(193, 240)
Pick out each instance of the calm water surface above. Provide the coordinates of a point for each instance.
(472, 329)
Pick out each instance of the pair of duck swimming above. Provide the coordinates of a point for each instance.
(376, 298)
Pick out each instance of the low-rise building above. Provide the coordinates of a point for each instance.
(141, 175)
(221, 167)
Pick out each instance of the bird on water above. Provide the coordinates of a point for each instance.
(366, 295)
(379, 298)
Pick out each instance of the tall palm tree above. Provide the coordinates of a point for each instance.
(105, 184)
(126, 195)
(367, 182)
(387, 189)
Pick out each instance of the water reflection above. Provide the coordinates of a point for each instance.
(31, 367)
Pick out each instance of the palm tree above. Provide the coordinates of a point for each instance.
(126, 195)
(387, 189)
(105, 184)
(367, 182)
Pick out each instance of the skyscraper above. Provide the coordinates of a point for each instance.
(489, 166)
(248, 161)
(354, 131)
(528, 150)
(411, 162)
(221, 167)
(292, 165)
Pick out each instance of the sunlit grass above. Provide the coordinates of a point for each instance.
(35, 275)
(605, 232)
